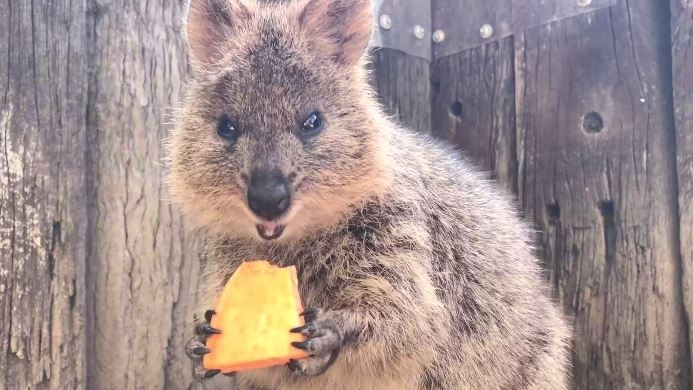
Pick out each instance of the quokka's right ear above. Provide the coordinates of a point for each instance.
(211, 23)
(342, 28)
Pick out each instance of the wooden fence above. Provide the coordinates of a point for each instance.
(587, 119)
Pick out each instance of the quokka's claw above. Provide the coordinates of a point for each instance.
(205, 329)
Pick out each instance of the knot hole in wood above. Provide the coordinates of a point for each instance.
(456, 108)
(592, 122)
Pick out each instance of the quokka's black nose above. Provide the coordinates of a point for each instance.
(268, 195)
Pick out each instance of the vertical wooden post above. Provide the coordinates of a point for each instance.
(43, 212)
(597, 173)
(142, 266)
(474, 106)
(682, 50)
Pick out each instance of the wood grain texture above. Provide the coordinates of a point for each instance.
(682, 51)
(605, 199)
(142, 265)
(403, 83)
(42, 195)
(98, 275)
(474, 106)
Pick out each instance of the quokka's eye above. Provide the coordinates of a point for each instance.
(312, 125)
(226, 129)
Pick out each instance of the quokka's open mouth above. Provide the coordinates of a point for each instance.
(269, 230)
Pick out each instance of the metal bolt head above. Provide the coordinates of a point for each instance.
(486, 31)
(584, 3)
(385, 22)
(438, 36)
(419, 32)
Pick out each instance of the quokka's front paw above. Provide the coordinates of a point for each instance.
(323, 343)
(196, 348)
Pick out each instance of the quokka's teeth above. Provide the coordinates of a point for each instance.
(269, 227)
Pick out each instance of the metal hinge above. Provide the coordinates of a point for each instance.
(403, 25)
(437, 29)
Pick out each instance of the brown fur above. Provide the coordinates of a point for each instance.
(420, 261)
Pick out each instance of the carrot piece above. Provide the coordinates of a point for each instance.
(258, 306)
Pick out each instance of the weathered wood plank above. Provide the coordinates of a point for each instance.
(597, 173)
(682, 50)
(474, 106)
(404, 88)
(142, 263)
(43, 210)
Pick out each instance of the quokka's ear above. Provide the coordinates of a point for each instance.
(211, 23)
(342, 27)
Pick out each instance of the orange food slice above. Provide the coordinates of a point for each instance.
(258, 306)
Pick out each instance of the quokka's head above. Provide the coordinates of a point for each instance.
(279, 135)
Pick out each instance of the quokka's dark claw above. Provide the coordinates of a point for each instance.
(201, 350)
(310, 311)
(299, 329)
(232, 373)
(207, 330)
(304, 345)
(210, 373)
(209, 314)
(306, 329)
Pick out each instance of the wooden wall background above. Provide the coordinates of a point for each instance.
(614, 218)
(589, 121)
